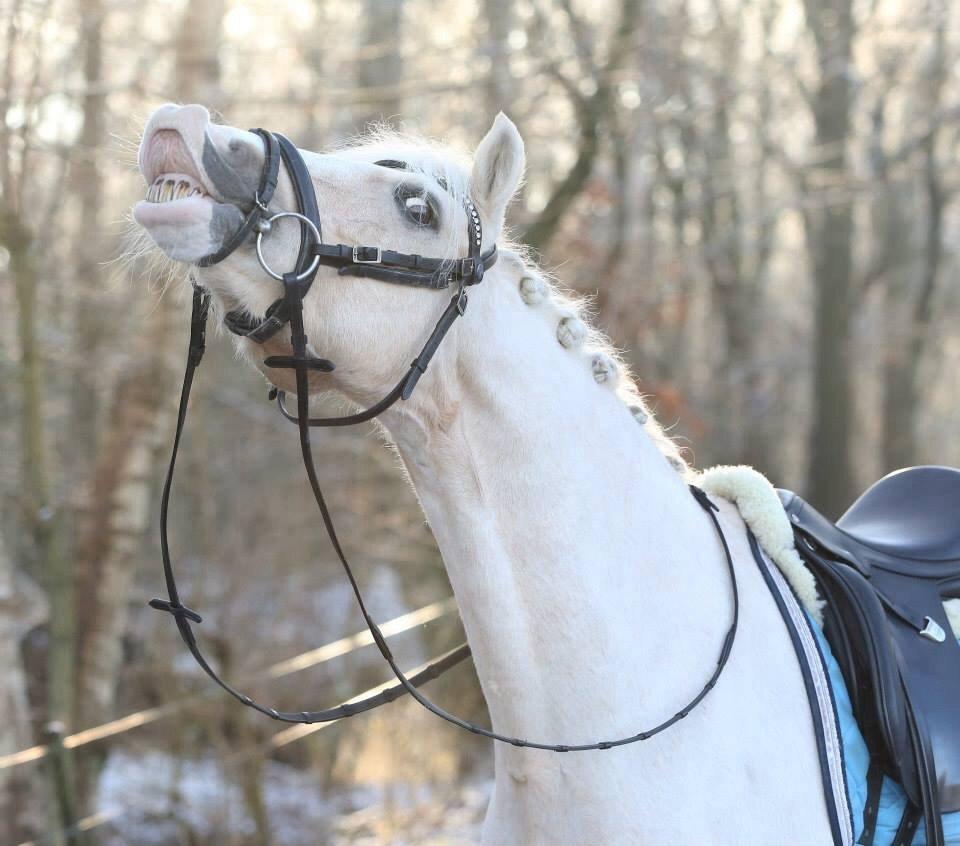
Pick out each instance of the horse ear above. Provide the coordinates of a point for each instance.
(497, 169)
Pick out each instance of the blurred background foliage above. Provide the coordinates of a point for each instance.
(759, 194)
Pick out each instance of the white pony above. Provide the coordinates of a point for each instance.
(592, 586)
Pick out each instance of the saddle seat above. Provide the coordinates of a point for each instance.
(911, 515)
(885, 569)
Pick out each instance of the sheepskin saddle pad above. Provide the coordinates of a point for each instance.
(867, 806)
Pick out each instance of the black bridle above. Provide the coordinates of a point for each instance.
(388, 266)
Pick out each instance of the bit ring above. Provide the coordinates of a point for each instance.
(314, 231)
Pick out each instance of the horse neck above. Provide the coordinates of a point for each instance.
(572, 545)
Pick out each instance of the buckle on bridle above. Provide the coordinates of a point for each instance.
(471, 270)
(359, 259)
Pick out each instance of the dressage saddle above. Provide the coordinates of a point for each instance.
(885, 569)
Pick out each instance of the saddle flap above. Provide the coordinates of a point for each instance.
(885, 620)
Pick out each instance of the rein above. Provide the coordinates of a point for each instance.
(389, 266)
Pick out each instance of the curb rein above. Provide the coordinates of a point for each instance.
(387, 266)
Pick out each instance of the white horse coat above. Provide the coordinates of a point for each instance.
(592, 586)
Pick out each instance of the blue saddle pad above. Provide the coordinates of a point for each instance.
(856, 760)
(843, 752)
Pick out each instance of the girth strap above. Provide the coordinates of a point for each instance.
(926, 774)
(909, 823)
(871, 807)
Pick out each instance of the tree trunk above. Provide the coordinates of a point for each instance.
(591, 114)
(197, 72)
(380, 63)
(831, 485)
(42, 519)
(119, 513)
(22, 608)
(912, 305)
(721, 223)
(498, 86)
(91, 319)
(889, 265)
(138, 427)
(902, 374)
(141, 418)
(892, 231)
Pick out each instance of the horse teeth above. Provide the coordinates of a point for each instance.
(164, 189)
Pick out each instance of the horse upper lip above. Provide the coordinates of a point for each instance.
(166, 151)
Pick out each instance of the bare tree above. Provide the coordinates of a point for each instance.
(592, 103)
(830, 243)
(499, 89)
(19, 224)
(736, 253)
(22, 607)
(911, 296)
(91, 318)
(196, 67)
(140, 419)
(676, 134)
(27, 207)
(138, 425)
(380, 62)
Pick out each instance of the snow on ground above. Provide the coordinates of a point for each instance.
(167, 801)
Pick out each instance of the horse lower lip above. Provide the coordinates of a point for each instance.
(188, 210)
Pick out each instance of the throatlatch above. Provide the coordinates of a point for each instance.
(387, 266)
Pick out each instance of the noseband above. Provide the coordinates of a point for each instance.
(386, 266)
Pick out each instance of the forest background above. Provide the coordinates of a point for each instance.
(760, 196)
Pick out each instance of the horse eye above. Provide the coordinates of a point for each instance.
(418, 210)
